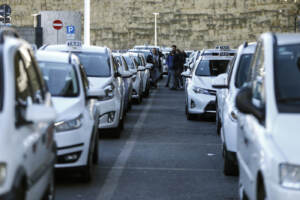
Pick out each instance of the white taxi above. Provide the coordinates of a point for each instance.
(268, 128)
(77, 117)
(227, 86)
(102, 73)
(27, 145)
(200, 95)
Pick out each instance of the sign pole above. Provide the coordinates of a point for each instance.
(57, 37)
(87, 22)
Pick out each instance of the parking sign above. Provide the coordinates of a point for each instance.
(70, 29)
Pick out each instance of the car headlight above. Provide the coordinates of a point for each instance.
(290, 176)
(199, 90)
(69, 125)
(3, 173)
(109, 92)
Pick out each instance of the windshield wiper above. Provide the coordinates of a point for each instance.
(288, 99)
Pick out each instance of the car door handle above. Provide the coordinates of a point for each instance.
(246, 140)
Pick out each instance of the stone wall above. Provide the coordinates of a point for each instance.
(191, 24)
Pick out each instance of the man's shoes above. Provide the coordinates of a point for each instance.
(167, 85)
(173, 88)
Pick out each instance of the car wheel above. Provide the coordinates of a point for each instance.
(96, 152)
(230, 168)
(19, 191)
(219, 125)
(147, 92)
(261, 192)
(50, 192)
(129, 105)
(88, 169)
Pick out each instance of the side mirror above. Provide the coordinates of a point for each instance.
(95, 93)
(244, 104)
(220, 82)
(149, 66)
(40, 113)
(126, 74)
(141, 68)
(186, 74)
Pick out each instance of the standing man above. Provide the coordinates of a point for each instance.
(182, 56)
(172, 62)
(154, 58)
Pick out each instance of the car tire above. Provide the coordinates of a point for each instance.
(96, 152)
(19, 191)
(129, 105)
(261, 192)
(219, 125)
(147, 92)
(50, 192)
(87, 172)
(230, 168)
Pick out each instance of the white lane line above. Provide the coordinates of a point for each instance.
(112, 180)
(162, 169)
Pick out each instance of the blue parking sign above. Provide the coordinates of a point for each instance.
(70, 29)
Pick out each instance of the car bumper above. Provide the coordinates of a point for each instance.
(276, 192)
(73, 147)
(201, 103)
(109, 114)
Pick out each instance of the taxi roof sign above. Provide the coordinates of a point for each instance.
(223, 47)
(74, 44)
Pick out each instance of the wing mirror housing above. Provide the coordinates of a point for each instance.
(149, 66)
(95, 93)
(126, 74)
(245, 105)
(40, 113)
(186, 74)
(141, 68)
(220, 82)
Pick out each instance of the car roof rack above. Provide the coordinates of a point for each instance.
(8, 31)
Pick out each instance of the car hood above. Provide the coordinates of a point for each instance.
(67, 108)
(99, 82)
(286, 136)
(204, 82)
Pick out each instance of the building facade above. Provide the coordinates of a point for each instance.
(191, 24)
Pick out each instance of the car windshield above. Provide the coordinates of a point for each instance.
(1, 81)
(129, 62)
(60, 78)
(211, 67)
(243, 70)
(287, 75)
(95, 64)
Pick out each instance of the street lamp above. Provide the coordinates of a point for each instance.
(87, 14)
(155, 28)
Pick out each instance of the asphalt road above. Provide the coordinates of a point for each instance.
(160, 156)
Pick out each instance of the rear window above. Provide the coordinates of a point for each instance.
(95, 64)
(1, 80)
(211, 67)
(60, 78)
(243, 70)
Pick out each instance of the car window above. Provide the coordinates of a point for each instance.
(129, 62)
(211, 67)
(125, 64)
(60, 78)
(22, 89)
(258, 77)
(34, 76)
(230, 68)
(287, 77)
(84, 78)
(243, 70)
(95, 64)
(1, 79)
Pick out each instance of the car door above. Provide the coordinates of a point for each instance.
(251, 129)
(119, 84)
(32, 139)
